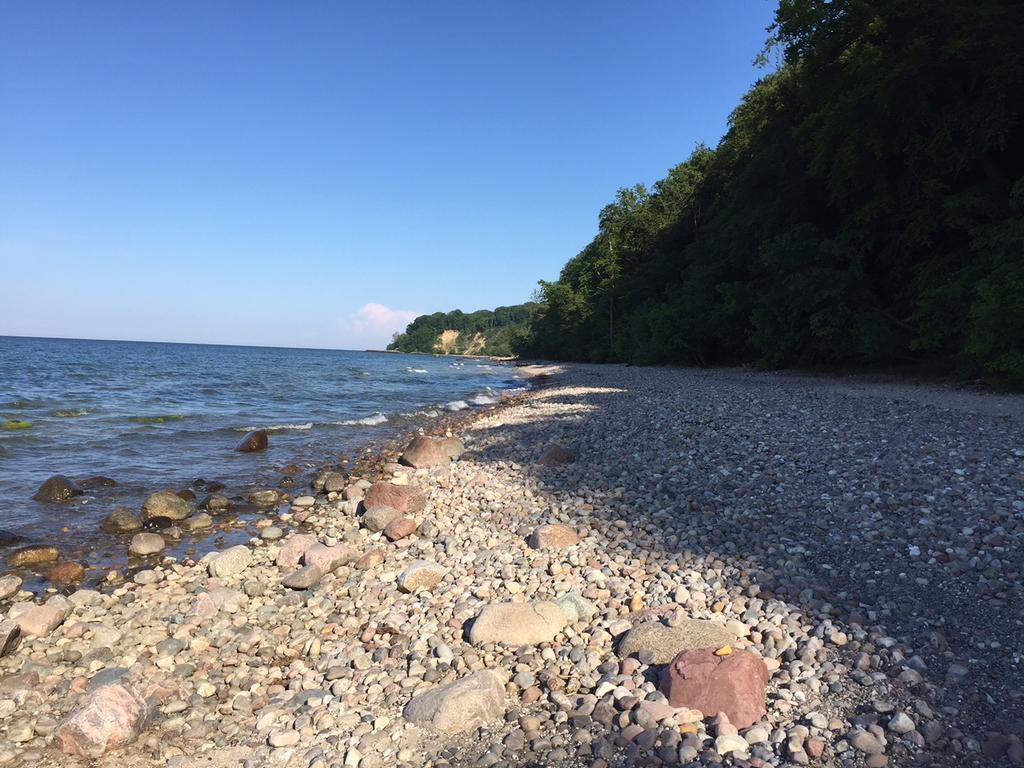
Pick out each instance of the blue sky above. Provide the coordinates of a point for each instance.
(316, 173)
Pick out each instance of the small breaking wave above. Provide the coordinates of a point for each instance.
(71, 413)
(456, 405)
(483, 400)
(372, 420)
(277, 427)
(416, 370)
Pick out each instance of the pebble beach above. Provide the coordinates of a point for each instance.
(839, 562)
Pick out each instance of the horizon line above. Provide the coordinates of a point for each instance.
(186, 343)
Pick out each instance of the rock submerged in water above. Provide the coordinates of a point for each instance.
(464, 705)
(733, 684)
(97, 481)
(121, 520)
(64, 574)
(166, 504)
(253, 441)
(108, 717)
(33, 554)
(668, 642)
(57, 489)
(518, 623)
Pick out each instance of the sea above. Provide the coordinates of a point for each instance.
(155, 416)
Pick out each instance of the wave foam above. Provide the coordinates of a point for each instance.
(456, 405)
(277, 427)
(368, 421)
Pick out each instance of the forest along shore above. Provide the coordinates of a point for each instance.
(626, 566)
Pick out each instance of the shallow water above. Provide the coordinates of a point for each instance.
(154, 416)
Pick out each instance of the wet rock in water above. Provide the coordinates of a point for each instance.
(66, 573)
(108, 717)
(464, 705)
(9, 538)
(157, 524)
(407, 499)
(400, 528)
(253, 441)
(165, 504)
(187, 494)
(517, 623)
(421, 574)
(34, 554)
(121, 520)
(733, 685)
(230, 562)
(291, 470)
(556, 455)
(143, 544)
(9, 585)
(197, 522)
(668, 642)
(215, 502)
(327, 559)
(57, 489)
(264, 497)
(554, 536)
(424, 452)
(378, 518)
(292, 551)
(97, 481)
(306, 577)
(10, 636)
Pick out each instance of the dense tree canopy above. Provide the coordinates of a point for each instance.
(865, 207)
(482, 332)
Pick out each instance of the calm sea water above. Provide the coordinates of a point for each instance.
(154, 416)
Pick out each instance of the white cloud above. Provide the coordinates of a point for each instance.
(372, 325)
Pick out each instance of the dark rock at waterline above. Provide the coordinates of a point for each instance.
(291, 469)
(254, 441)
(215, 502)
(210, 486)
(287, 482)
(34, 554)
(166, 504)
(121, 520)
(97, 481)
(158, 523)
(9, 538)
(58, 488)
(187, 495)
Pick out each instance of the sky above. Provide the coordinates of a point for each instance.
(317, 174)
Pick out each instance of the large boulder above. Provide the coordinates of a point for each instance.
(553, 536)
(34, 554)
(732, 684)
(517, 623)
(40, 620)
(327, 559)
(424, 452)
(58, 488)
(107, 717)
(407, 499)
(667, 642)
(380, 517)
(143, 544)
(292, 551)
(329, 481)
(165, 504)
(253, 441)
(464, 705)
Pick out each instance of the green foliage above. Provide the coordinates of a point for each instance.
(483, 332)
(865, 207)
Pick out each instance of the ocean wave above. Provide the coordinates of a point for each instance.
(456, 405)
(483, 400)
(71, 413)
(416, 370)
(277, 427)
(368, 421)
(163, 419)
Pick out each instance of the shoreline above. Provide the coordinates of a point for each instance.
(235, 668)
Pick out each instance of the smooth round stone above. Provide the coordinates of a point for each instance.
(271, 533)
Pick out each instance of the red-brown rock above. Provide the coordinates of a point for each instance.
(553, 536)
(327, 559)
(425, 452)
(254, 441)
(66, 573)
(400, 528)
(732, 684)
(406, 499)
(108, 717)
(371, 559)
(556, 455)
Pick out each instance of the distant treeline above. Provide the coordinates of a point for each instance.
(478, 333)
(866, 207)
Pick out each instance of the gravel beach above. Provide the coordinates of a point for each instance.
(842, 559)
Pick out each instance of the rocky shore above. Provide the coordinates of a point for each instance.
(624, 567)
